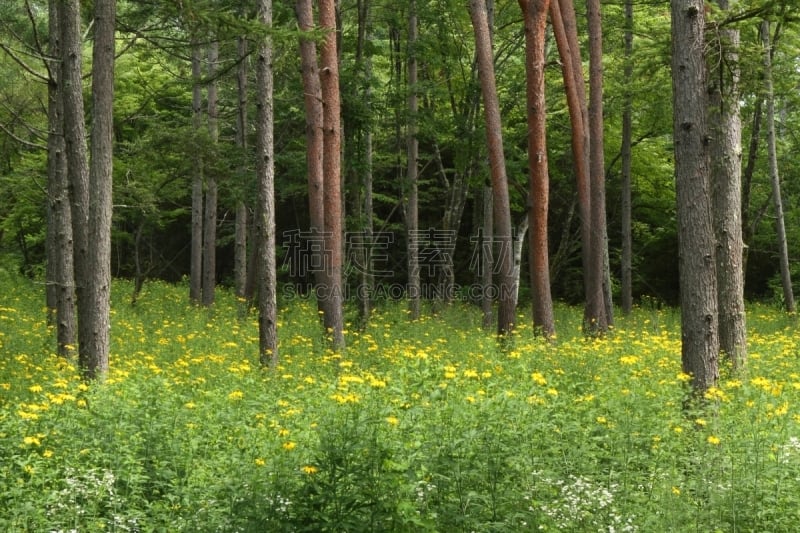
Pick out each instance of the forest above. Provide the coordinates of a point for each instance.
(327, 266)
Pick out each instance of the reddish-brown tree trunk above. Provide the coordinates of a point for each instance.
(494, 141)
(331, 164)
(535, 20)
(312, 99)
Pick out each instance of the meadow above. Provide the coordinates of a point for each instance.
(423, 426)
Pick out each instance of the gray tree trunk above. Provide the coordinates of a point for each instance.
(265, 168)
(487, 259)
(696, 246)
(412, 208)
(520, 234)
(780, 227)
(367, 281)
(596, 320)
(196, 261)
(60, 268)
(627, 140)
(210, 209)
(240, 238)
(94, 305)
(725, 127)
(75, 138)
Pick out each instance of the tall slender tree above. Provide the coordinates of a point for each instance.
(331, 163)
(494, 141)
(241, 224)
(626, 278)
(312, 100)
(596, 315)
(725, 129)
(265, 168)
(775, 179)
(562, 16)
(211, 193)
(696, 246)
(75, 139)
(196, 259)
(60, 267)
(412, 202)
(535, 20)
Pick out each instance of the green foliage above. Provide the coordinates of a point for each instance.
(429, 426)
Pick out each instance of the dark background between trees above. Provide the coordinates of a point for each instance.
(156, 145)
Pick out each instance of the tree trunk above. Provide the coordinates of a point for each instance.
(265, 168)
(749, 223)
(75, 139)
(700, 340)
(412, 208)
(60, 268)
(627, 141)
(725, 127)
(562, 14)
(312, 99)
(535, 20)
(240, 239)
(487, 258)
(95, 303)
(595, 317)
(494, 141)
(367, 281)
(210, 219)
(196, 262)
(331, 161)
(783, 249)
(520, 234)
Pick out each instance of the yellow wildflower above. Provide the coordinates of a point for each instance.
(236, 395)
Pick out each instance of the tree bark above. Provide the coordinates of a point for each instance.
(627, 141)
(725, 127)
(699, 334)
(367, 281)
(75, 140)
(312, 100)
(331, 162)
(265, 168)
(748, 224)
(494, 141)
(412, 208)
(487, 259)
(535, 20)
(60, 267)
(562, 15)
(210, 209)
(94, 305)
(196, 260)
(595, 316)
(780, 227)
(240, 239)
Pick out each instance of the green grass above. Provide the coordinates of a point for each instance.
(425, 426)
